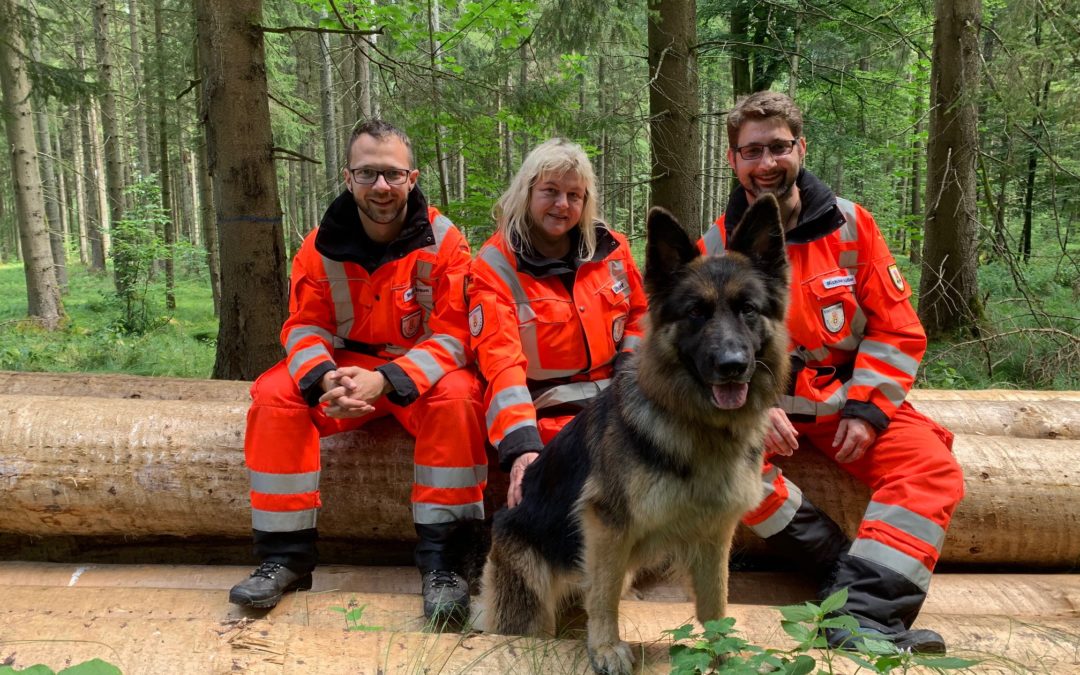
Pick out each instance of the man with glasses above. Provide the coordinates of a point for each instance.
(856, 344)
(376, 326)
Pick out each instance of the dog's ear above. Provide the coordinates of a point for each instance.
(669, 248)
(760, 237)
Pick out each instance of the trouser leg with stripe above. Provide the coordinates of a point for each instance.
(916, 484)
(281, 448)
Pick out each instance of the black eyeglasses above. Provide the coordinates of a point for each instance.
(366, 176)
(755, 151)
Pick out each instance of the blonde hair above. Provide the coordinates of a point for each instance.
(554, 157)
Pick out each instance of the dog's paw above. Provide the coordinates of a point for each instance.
(613, 658)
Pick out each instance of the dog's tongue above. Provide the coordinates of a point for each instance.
(730, 396)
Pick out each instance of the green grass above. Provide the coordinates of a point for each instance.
(181, 343)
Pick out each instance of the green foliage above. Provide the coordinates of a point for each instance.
(354, 617)
(137, 245)
(181, 345)
(91, 667)
(718, 648)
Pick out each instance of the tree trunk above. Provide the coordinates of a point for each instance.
(1032, 165)
(207, 213)
(440, 154)
(50, 186)
(918, 159)
(138, 102)
(329, 122)
(165, 177)
(948, 298)
(123, 267)
(673, 108)
(42, 290)
(363, 77)
(89, 173)
(239, 151)
(741, 83)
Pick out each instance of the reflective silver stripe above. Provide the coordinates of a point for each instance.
(819, 354)
(514, 427)
(891, 389)
(849, 231)
(888, 353)
(498, 262)
(435, 514)
(630, 342)
(283, 483)
(339, 293)
(848, 344)
(907, 521)
(298, 333)
(574, 392)
(849, 259)
(714, 244)
(858, 323)
(768, 477)
(439, 227)
(506, 398)
(775, 523)
(283, 521)
(427, 363)
(297, 360)
(800, 405)
(450, 477)
(901, 563)
(538, 373)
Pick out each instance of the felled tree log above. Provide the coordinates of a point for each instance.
(995, 412)
(94, 466)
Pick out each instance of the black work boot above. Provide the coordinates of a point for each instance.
(812, 539)
(446, 596)
(267, 584)
(445, 591)
(885, 603)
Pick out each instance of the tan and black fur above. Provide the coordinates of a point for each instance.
(661, 466)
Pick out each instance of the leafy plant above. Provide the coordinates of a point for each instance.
(720, 649)
(91, 667)
(353, 617)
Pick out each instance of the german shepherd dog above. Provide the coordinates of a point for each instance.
(661, 466)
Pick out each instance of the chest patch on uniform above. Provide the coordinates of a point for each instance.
(897, 278)
(410, 324)
(619, 286)
(846, 280)
(618, 327)
(408, 295)
(833, 315)
(476, 320)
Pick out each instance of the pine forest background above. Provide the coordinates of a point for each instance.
(173, 193)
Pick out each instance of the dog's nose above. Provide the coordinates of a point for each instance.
(730, 363)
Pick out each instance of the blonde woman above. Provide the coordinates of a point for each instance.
(554, 298)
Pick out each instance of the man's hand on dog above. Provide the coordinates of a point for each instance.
(351, 391)
(781, 438)
(854, 437)
(517, 472)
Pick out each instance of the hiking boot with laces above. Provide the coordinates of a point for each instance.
(267, 584)
(446, 595)
(914, 640)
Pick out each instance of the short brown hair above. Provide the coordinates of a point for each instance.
(379, 130)
(762, 105)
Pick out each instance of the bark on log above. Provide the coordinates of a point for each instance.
(991, 412)
(93, 466)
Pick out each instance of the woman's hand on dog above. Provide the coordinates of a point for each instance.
(781, 438)
(517, 472)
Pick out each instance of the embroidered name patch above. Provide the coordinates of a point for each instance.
(408, 295)
(619, 286)
(846, 280)
(476, 320)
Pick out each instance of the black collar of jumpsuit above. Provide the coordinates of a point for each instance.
(341, 236)
(819, 216)
(539, 267)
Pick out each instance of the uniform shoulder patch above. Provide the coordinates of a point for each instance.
(897, 278)
(476, 320)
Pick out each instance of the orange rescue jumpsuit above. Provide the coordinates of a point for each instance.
(546, 335)
(398, 309)
(856, 344)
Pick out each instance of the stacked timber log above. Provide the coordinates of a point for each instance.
(120, 455)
